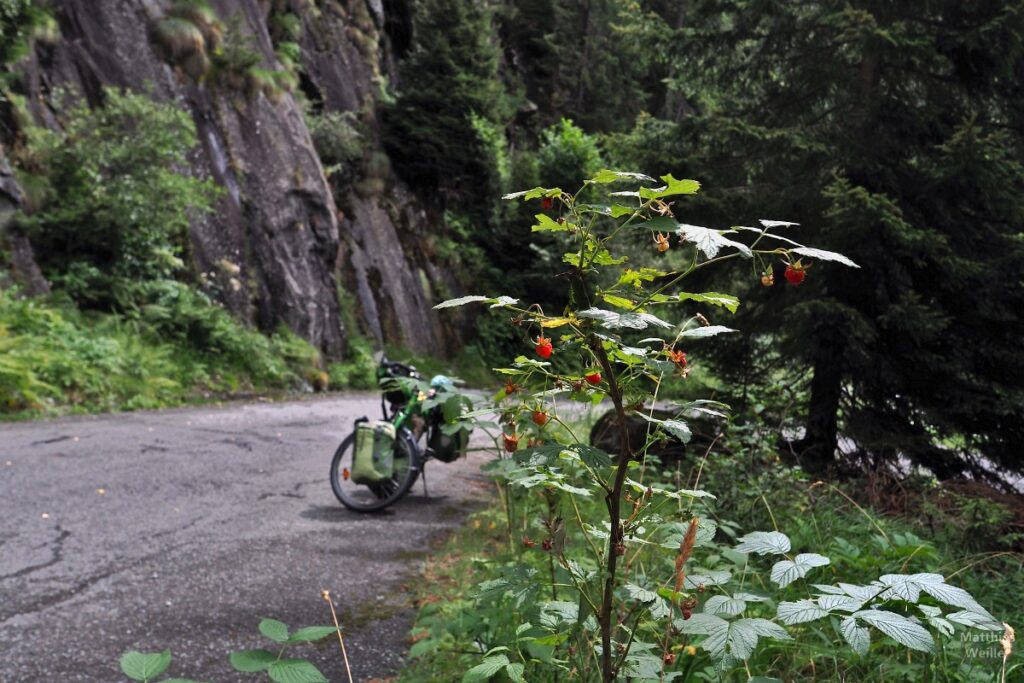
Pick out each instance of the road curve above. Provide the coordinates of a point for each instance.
(181, 528)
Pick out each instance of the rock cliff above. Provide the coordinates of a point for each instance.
(286, 244)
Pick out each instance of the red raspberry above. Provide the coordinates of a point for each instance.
(543, 347)
(511, 442)
(795, 273)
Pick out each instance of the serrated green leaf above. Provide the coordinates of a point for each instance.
(535, 193)
(556, 613)
(706, 331)
(546, 224)
(503, 301)
(953, 596)
(605, 176)
(842, 603)
(725, 604)
(726, 301)
(295, 671)
(764, 543)
(984, 622)
(823, 255)
(642, 667)
(311, 634)
(252, 660)
(677, 428)
(675, 494)
(701, 624)
(709, 241)
(639, 276)
(857, 636)
(799, 612)
(613, 320)
(461, 301)
(618, 301)
(639, 593)
(485, 669)
(736, 639)
(714, 577)
(423, 647)
(658, 224)
(775, 224)
(934, 617)
(593, 457)
(673, 186)
(786, 571)
(899, 628)
(142, 666)
(274, 629)
(515, 672)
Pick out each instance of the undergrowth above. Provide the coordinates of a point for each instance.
(56, 358)
(756, 491)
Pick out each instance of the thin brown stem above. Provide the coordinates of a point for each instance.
(614, 513)
(326, 595)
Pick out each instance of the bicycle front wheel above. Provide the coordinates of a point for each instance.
(373, 497)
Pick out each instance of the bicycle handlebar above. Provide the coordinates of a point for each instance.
(409, 370)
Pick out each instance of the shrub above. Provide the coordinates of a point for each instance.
(639, 566)
(337, 139)
(117, 202)
(174, 345)
(566, 153)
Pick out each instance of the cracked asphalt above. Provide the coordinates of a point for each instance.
(182, 528)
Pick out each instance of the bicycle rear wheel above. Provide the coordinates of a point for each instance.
(373, 497)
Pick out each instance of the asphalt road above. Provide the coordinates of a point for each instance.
(182, 528)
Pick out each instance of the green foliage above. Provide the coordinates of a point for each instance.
(339, 143)
(588, 60)
(448, 80)
(632, 550)
(358, 370)
(21, 21)
(188, 36)
(494, 146)
(566, 153)
(174, 346)
(479, 579)
(192, 37)
(117, 202)
(236, 65)
(917, 178)
(146, 667)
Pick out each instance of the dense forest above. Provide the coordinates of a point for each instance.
(179, 175)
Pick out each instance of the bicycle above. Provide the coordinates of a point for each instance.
(413, 408)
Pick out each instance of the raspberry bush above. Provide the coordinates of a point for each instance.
(632, 594)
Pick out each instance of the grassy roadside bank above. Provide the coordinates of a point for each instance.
(181, 349)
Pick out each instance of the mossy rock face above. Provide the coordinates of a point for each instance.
(605, 435)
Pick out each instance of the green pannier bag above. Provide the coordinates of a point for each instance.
(374, 459)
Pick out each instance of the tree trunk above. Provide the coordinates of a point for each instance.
(817, 449)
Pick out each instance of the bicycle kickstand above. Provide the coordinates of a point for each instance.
(423, 478)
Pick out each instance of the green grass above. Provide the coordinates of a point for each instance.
(56, 359)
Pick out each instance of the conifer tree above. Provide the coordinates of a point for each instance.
(890, 131)
(449, 78)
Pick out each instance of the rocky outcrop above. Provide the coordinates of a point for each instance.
(273, 252)
(385, 235)
(23, 267)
